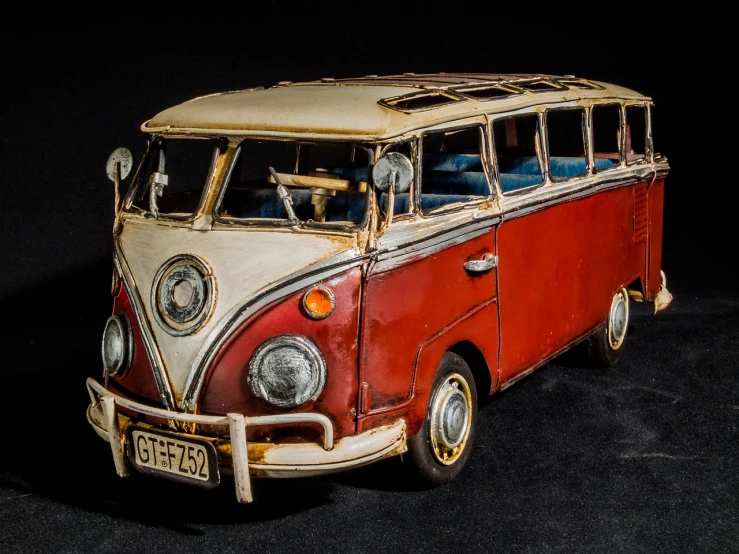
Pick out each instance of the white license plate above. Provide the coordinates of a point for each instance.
(173, 456)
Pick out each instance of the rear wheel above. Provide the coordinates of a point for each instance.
(606, 343)
(437, 453)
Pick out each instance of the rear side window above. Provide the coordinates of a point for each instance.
(452, 168)
(515, 150)
(606, 136)
(566, 142)
(636, 133)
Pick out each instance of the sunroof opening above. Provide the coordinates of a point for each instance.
(423, 101)
(538, 86)
(489, 92)
(579, 83)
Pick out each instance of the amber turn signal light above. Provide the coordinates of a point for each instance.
(319, 302)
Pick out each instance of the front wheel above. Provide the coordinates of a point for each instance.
(606, 343)
(437, 453)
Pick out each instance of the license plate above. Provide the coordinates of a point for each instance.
(173, 456)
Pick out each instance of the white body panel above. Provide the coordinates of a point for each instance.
(243, 263)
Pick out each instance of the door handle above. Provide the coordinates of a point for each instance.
(486, 263)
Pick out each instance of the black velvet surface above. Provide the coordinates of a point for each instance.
(641, 457)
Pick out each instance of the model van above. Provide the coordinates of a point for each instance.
(316, 276)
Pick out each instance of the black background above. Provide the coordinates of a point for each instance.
(642, 457)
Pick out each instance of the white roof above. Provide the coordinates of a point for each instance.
(361, 109)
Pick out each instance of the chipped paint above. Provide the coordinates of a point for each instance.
(349, 109)
(252, 275)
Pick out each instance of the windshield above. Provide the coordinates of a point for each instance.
(321, 183)
(173, 176)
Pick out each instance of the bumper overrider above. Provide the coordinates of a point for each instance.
(234, 454)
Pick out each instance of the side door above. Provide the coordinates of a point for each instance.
(417, 291)
(565, 243)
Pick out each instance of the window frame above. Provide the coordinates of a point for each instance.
(152, 157)
(621, 134)
(484, 160)
(648, 156)
(274, 222)
(586, 138)
(539, 147)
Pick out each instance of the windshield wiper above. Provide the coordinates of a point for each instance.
(287, 200)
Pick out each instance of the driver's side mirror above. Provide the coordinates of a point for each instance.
(119, 166)
(393, 173)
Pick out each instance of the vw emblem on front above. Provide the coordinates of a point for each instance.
(183, 294)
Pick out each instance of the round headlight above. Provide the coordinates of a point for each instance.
(287, 371)
(117, 348)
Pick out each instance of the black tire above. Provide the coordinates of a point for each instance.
(427, 448)
(607, 341)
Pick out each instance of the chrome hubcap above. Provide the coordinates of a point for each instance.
(618, 319)
(450, 419)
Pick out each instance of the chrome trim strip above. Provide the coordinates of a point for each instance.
(241, 312)
(96, 389)
(155, 359)
(544, 197)
(394, 256)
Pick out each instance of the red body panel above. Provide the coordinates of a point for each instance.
(138, 382)
(405, 308)
(226, 389)
(558, 271)
(656, 221)
(479, 327)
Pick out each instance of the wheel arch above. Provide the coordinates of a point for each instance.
(474, 358)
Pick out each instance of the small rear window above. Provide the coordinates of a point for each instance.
(489, 92)
(579, 83)
(538, 85)
(422, 101)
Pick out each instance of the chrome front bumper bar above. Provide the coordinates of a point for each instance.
(267, 459)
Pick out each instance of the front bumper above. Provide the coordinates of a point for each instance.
(250, 459)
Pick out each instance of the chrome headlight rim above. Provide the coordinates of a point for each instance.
(120, 322)
(183, 320)
(257, 367)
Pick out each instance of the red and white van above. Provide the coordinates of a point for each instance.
(320, 275)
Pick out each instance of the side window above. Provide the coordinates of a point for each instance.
(451, 168)
(636, 133)
(566, 143)
(515, 150)
(606, 136)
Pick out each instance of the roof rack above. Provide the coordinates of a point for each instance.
(476, 88)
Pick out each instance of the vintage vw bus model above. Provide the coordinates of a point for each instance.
(316, 276)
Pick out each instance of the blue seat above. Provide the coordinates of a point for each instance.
(564, 167)
(428, 201)
(604, 163)
(452, 162)
(512, 181)
(472, 183)
(264, 203)
(431, 201)
(401, 204)
(519, 165)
